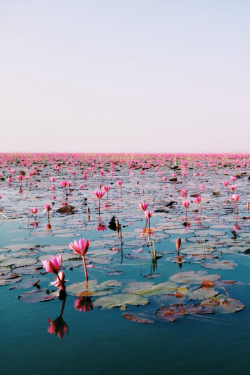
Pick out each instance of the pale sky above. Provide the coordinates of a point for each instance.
(125, 75)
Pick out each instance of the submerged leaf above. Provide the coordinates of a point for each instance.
(136, 319)
(176, 311)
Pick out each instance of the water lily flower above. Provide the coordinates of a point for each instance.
(106, 188)
(143, 206)
(81, 249)
(202, 187)
(59, 280)
(34, 211)
(198, 200)
(46, 209)
(53, 265)
(99, 194)
(235, 198)
(148, 215)
(186, 203)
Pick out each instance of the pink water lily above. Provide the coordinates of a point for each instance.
(148, 215)
(81, 249)
(198, 200)
(47, 209)
(59, 280)
(143, 206)
(235, 198)
(186, 203)
(202, 187)
(34, 211)
(99, 194)
(106, 188)
(53, 266)
(184, 193)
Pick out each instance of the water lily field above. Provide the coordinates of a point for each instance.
(125, 263)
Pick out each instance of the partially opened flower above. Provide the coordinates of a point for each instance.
(148, 215)
(80, 247)
(53, 265)
(143, 206)
(184, 193)
(202, 187)
(47, 209)
(198, 200)
(186, 203)
(235, 198)
(34, 211)
(59, 280)
(99, 194)
(106, 188)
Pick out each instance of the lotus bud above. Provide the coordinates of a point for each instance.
(178, 243)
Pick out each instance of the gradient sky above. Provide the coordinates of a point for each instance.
(125, 75)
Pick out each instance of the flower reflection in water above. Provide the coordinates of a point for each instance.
(83, 304)
(59, 326)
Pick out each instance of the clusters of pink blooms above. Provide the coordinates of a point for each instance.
(106, 169)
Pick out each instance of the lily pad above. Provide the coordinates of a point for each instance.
(91, 288)
(120, 300)
(174, 312)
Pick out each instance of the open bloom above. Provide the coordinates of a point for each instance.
(106, 188)
(235, 197)
(143, 206)
(80, 247)
(99, 193)
(119, 183)
(53, 265)
(225, 183)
